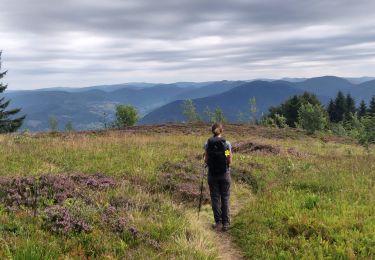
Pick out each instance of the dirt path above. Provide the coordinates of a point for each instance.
(227, 249)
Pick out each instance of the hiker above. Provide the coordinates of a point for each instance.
(218, 157)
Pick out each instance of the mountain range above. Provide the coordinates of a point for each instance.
(93, 107)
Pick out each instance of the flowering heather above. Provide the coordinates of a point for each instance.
(93, 181)
(17, 191)
(113, 220)
(134, 232)
(48, 189)
(61, 220)
(58, 187)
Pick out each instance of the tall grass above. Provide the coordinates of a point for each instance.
(316, 206)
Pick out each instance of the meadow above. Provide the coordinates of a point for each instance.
(134, 193)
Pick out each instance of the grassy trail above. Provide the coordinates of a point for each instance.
(226, 248)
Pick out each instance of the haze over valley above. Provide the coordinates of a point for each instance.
(93, 107)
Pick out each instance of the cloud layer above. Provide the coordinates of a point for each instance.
(84, 42)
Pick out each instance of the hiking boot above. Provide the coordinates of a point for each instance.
(225, 227)
(217, 226)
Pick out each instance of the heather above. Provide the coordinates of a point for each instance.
(133, 194)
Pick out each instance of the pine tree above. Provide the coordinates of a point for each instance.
(350, 106)
(371, 110)
(289, 109)
(362, 110)
(7, 121)
(340, 108)
(331, 110)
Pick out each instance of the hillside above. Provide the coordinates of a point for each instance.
(267, 94)
(133, 194)
(231, 102)
(325, 86)
(90, 108)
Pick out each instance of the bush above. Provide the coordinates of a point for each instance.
(126, 116)
(277, 120)
(280, 121)
(366, 133)
(312, 118)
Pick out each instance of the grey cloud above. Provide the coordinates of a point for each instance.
(123, 38)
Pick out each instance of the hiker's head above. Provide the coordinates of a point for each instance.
(217, 129)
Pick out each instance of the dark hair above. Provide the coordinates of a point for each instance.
(217, 129)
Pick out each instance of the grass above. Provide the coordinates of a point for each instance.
(315, 206)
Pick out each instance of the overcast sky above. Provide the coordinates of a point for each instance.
(73, 43)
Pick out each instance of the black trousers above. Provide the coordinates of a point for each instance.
(220, 192)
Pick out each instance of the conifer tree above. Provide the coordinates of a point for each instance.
(340, 108)
(8, 123)
(362, 110)
(350, 106)
(331, 110)
(289, 109)
(371, 110)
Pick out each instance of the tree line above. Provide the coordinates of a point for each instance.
(341, 116)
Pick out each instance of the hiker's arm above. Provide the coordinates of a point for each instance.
(205, 157)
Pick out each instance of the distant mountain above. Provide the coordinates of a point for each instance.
(132, 85)
(293, 79)
(359, 80)
(210, 89)
(231, 102)
(329, 86)
(87, 109)
(325, 86)
(106, 88)
(364, 91)
(267, 93)
(91, 107)
(368, 84)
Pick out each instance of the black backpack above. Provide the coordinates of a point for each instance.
(217, 161)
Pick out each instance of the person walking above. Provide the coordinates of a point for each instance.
(218, 157)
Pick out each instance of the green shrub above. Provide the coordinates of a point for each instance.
(126, 116)
(312, 118)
